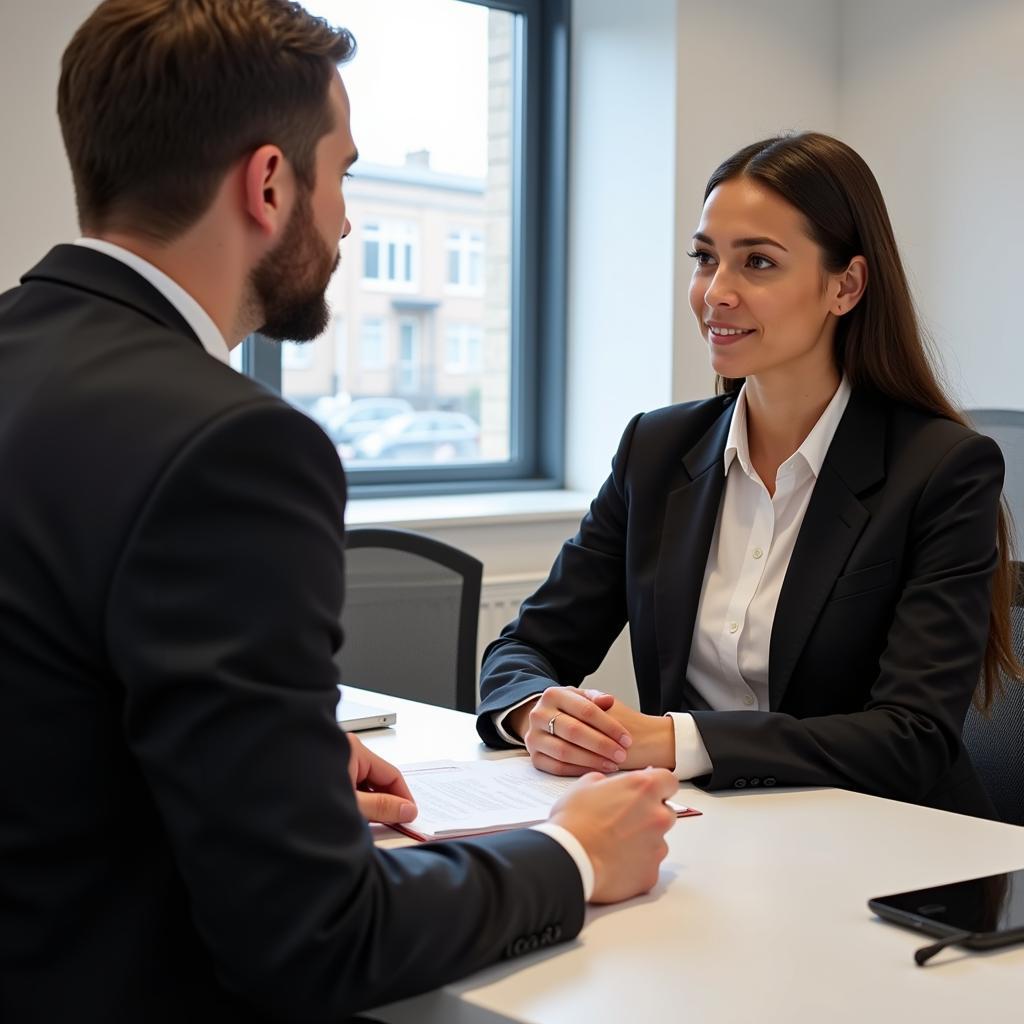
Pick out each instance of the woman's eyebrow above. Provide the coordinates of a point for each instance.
(741, 243)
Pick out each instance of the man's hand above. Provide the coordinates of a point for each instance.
(621, 823)
(381, 792)
(592, 732)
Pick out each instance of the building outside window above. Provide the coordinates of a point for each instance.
(296, 356)
(439, 278)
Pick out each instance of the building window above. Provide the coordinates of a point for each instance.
(372, 349)
(457, 255)
(389, 254)
(371, 253)
(463, 349)
(465, 250)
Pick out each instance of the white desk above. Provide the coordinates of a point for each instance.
(760, 916)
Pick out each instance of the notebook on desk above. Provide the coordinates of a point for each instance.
(469, 798)
(355, 717)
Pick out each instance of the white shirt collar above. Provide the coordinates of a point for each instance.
(193, 314)
(815, 444)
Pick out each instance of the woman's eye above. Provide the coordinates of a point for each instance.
(703, 258)
(760, 263)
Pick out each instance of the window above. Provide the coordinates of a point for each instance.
(462, 349)
(372, 352)
(456, 260)
(371, 253)
(389, 254)
(465, 261)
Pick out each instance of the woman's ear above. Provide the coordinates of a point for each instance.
(850, 285)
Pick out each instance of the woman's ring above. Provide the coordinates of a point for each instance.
(551, 724)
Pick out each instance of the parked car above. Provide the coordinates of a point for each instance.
(362, 416)
(419, 437)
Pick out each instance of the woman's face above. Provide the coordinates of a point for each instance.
(759, 290)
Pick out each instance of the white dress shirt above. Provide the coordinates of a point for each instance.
(750, 551)
(193, 314)
(213, 342)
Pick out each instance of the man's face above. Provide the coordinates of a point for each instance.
(290, 282)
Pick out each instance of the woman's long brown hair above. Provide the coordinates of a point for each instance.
(879, 344)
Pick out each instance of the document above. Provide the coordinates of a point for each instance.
(466, 798)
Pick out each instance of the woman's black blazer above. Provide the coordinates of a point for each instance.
(881, 624)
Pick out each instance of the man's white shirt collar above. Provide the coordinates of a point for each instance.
(814, 447)
(193, 314)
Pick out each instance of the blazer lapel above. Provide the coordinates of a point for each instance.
(690, 516)
(834, 520)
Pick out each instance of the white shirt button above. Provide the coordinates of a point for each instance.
(748, 699)
(758, 552)
(733, 626)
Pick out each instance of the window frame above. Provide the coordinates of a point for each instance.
(539, 234)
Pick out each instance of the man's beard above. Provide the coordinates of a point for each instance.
(290, 283)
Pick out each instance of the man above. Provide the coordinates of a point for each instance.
(179, 834)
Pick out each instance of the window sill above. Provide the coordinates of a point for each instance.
(506, 507)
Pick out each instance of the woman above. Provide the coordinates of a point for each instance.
(814, 563)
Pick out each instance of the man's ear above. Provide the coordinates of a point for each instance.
(268, 183)
(851, 284)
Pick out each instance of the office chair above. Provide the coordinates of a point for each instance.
(412, 605)
(1006, 428)
(996, 743)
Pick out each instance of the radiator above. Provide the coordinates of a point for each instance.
(500, 597)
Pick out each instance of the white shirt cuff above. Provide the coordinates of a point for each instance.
(691, 755)
(574, 848)
(498, 718)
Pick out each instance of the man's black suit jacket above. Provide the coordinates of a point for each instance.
(179, 840)
(881, 624)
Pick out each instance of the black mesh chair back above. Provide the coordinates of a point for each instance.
(996, 743)
(1006, 428)
(412, 605)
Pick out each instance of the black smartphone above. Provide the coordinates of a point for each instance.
(991, 909)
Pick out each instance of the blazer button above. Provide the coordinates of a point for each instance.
(755, 782)
(769, 780)
(739, 783)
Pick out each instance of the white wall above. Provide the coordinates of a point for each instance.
(621, 229)
(747, 70)
(37, 207)
(933, 98)
(663, 91)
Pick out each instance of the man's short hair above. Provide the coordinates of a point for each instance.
(158, 98)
